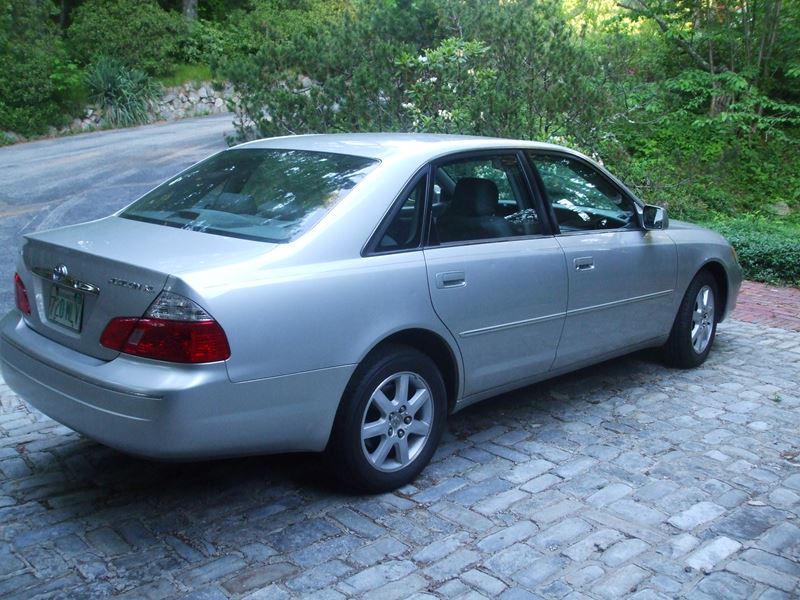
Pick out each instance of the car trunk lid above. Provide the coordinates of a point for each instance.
(80, 277)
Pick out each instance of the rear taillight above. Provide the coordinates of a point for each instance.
(22, 295)
(173, 329)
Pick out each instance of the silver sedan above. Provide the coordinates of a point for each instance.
(345, 293)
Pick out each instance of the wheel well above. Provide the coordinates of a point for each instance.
(437, 349)
(718, 272)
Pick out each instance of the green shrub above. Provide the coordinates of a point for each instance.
(123, 94)
(69, 81)
(381, 65)
(300, 82)
(138, 33)
(768, 248)
(204, 42)
(271, 21)
(671, 162)
(446, 87)
(39, 86)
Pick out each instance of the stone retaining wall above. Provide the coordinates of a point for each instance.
(187, 100)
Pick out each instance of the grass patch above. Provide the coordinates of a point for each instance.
(184, 73)
(768, 247)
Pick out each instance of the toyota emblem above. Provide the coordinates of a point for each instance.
(60, 272)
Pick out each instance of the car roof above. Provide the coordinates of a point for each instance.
(393, 145)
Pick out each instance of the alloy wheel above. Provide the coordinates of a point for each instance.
(397, 421)
(702, 319)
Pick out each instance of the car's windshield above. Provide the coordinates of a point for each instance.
(253, 193)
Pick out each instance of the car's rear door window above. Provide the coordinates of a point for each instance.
(254, 193)
(482, 198)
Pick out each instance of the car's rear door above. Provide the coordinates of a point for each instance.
(621, 277)
(497, 278)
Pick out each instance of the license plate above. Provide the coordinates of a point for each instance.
(65, 307)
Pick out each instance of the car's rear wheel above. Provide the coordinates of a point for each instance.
(390, 420)
(695, 325)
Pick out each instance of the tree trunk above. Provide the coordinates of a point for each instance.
(190, 9)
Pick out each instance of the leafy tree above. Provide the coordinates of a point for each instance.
(40, 87)
(499, 68)
(209, 10)
(139, 33)
(736, 58)
(300, 79)
(446, 87)
(547, 84)
(65, 9)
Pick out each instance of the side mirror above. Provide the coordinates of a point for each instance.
(654, 217)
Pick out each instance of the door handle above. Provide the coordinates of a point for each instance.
(451, 279)
(584, 263)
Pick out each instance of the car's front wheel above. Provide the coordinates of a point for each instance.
(695, 324)
(390, 420)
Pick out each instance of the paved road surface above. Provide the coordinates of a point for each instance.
(67, 180)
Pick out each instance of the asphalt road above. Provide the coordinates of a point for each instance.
(62, 181)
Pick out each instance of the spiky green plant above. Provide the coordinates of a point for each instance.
(122, 93)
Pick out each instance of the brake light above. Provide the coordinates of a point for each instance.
(173, 329)
(21, 295)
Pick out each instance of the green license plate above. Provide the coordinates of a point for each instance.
(65, 307)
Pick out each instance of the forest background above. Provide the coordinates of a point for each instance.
(694, 103)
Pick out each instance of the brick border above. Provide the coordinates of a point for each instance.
(769, 305)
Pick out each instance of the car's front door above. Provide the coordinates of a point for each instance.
(497, 279)
(621, 277)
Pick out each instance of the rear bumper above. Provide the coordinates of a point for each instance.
(170, 412)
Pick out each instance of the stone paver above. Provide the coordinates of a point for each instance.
(624, 479)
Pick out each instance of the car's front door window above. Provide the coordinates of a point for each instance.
(581, 197)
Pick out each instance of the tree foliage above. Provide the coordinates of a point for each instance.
(39, 83)
(683, 98)
(138, 33)
(742, 59)
(467, 66)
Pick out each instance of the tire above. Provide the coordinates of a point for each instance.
(695, 324)
(382, 438)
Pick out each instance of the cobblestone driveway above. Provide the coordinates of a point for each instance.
(623, 478)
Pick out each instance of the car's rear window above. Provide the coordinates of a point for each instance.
(260, 194)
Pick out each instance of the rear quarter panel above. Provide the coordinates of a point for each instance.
(289, 320)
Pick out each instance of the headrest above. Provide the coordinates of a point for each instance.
(475, 197)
